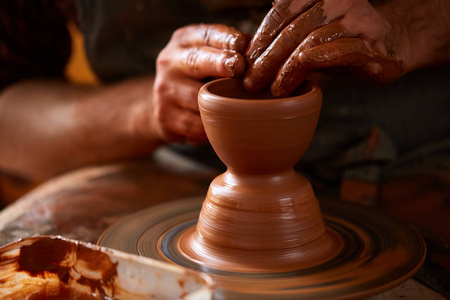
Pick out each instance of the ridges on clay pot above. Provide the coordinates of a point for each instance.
(259, 215)
(257, 133)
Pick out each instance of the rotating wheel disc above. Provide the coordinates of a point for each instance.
(378, 253)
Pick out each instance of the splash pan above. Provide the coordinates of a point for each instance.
(52, 267)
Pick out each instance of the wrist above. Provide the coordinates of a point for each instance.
(398, 42)
(420, 29)
(113, 122)
(140, 124)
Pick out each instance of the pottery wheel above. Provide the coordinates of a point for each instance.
(378, 253)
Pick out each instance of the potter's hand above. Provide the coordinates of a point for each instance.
(194, 53)
(299, 36)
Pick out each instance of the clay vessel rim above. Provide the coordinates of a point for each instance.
(310, 96)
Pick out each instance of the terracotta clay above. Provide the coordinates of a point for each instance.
(260, 205)
(51, 256)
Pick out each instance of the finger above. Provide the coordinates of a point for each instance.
(216, 35)
(175, 109)
(182, 92)
(202, 62)
(187, 94)
(188, 124)
(325, 34)
(179, 125)
(281, 14)
(292, 73)
(355, 53)
(290, 76)
(264, 69)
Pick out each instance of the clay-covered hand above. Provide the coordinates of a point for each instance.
(299, 36)
(194, 53)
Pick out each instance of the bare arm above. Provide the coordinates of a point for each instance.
(48, 127)
(380, 43)
(424, 30)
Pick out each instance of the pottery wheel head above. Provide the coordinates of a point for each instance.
(377, 253)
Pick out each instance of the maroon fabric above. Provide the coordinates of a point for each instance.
(34, 41)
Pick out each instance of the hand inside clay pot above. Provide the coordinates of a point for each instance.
(299, 36)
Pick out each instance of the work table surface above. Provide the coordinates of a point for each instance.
(82, 204)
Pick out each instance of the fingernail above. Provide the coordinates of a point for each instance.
(279, 91)
(242, 42)
(230, 65)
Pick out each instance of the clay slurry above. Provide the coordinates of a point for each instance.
(47, 257)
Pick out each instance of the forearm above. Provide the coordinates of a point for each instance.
(422, 31)
(48, 127)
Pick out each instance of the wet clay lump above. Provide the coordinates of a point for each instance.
(259, 215)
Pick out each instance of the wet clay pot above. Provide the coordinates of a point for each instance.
(259, 215)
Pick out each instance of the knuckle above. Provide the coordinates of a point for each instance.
(207, 34)
(177, 34)
(291, 37)
(279, 14)
(161, 87)
(192, 59)
(162, 61)
(311, 41)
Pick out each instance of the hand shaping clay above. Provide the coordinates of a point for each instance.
(261, 233)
